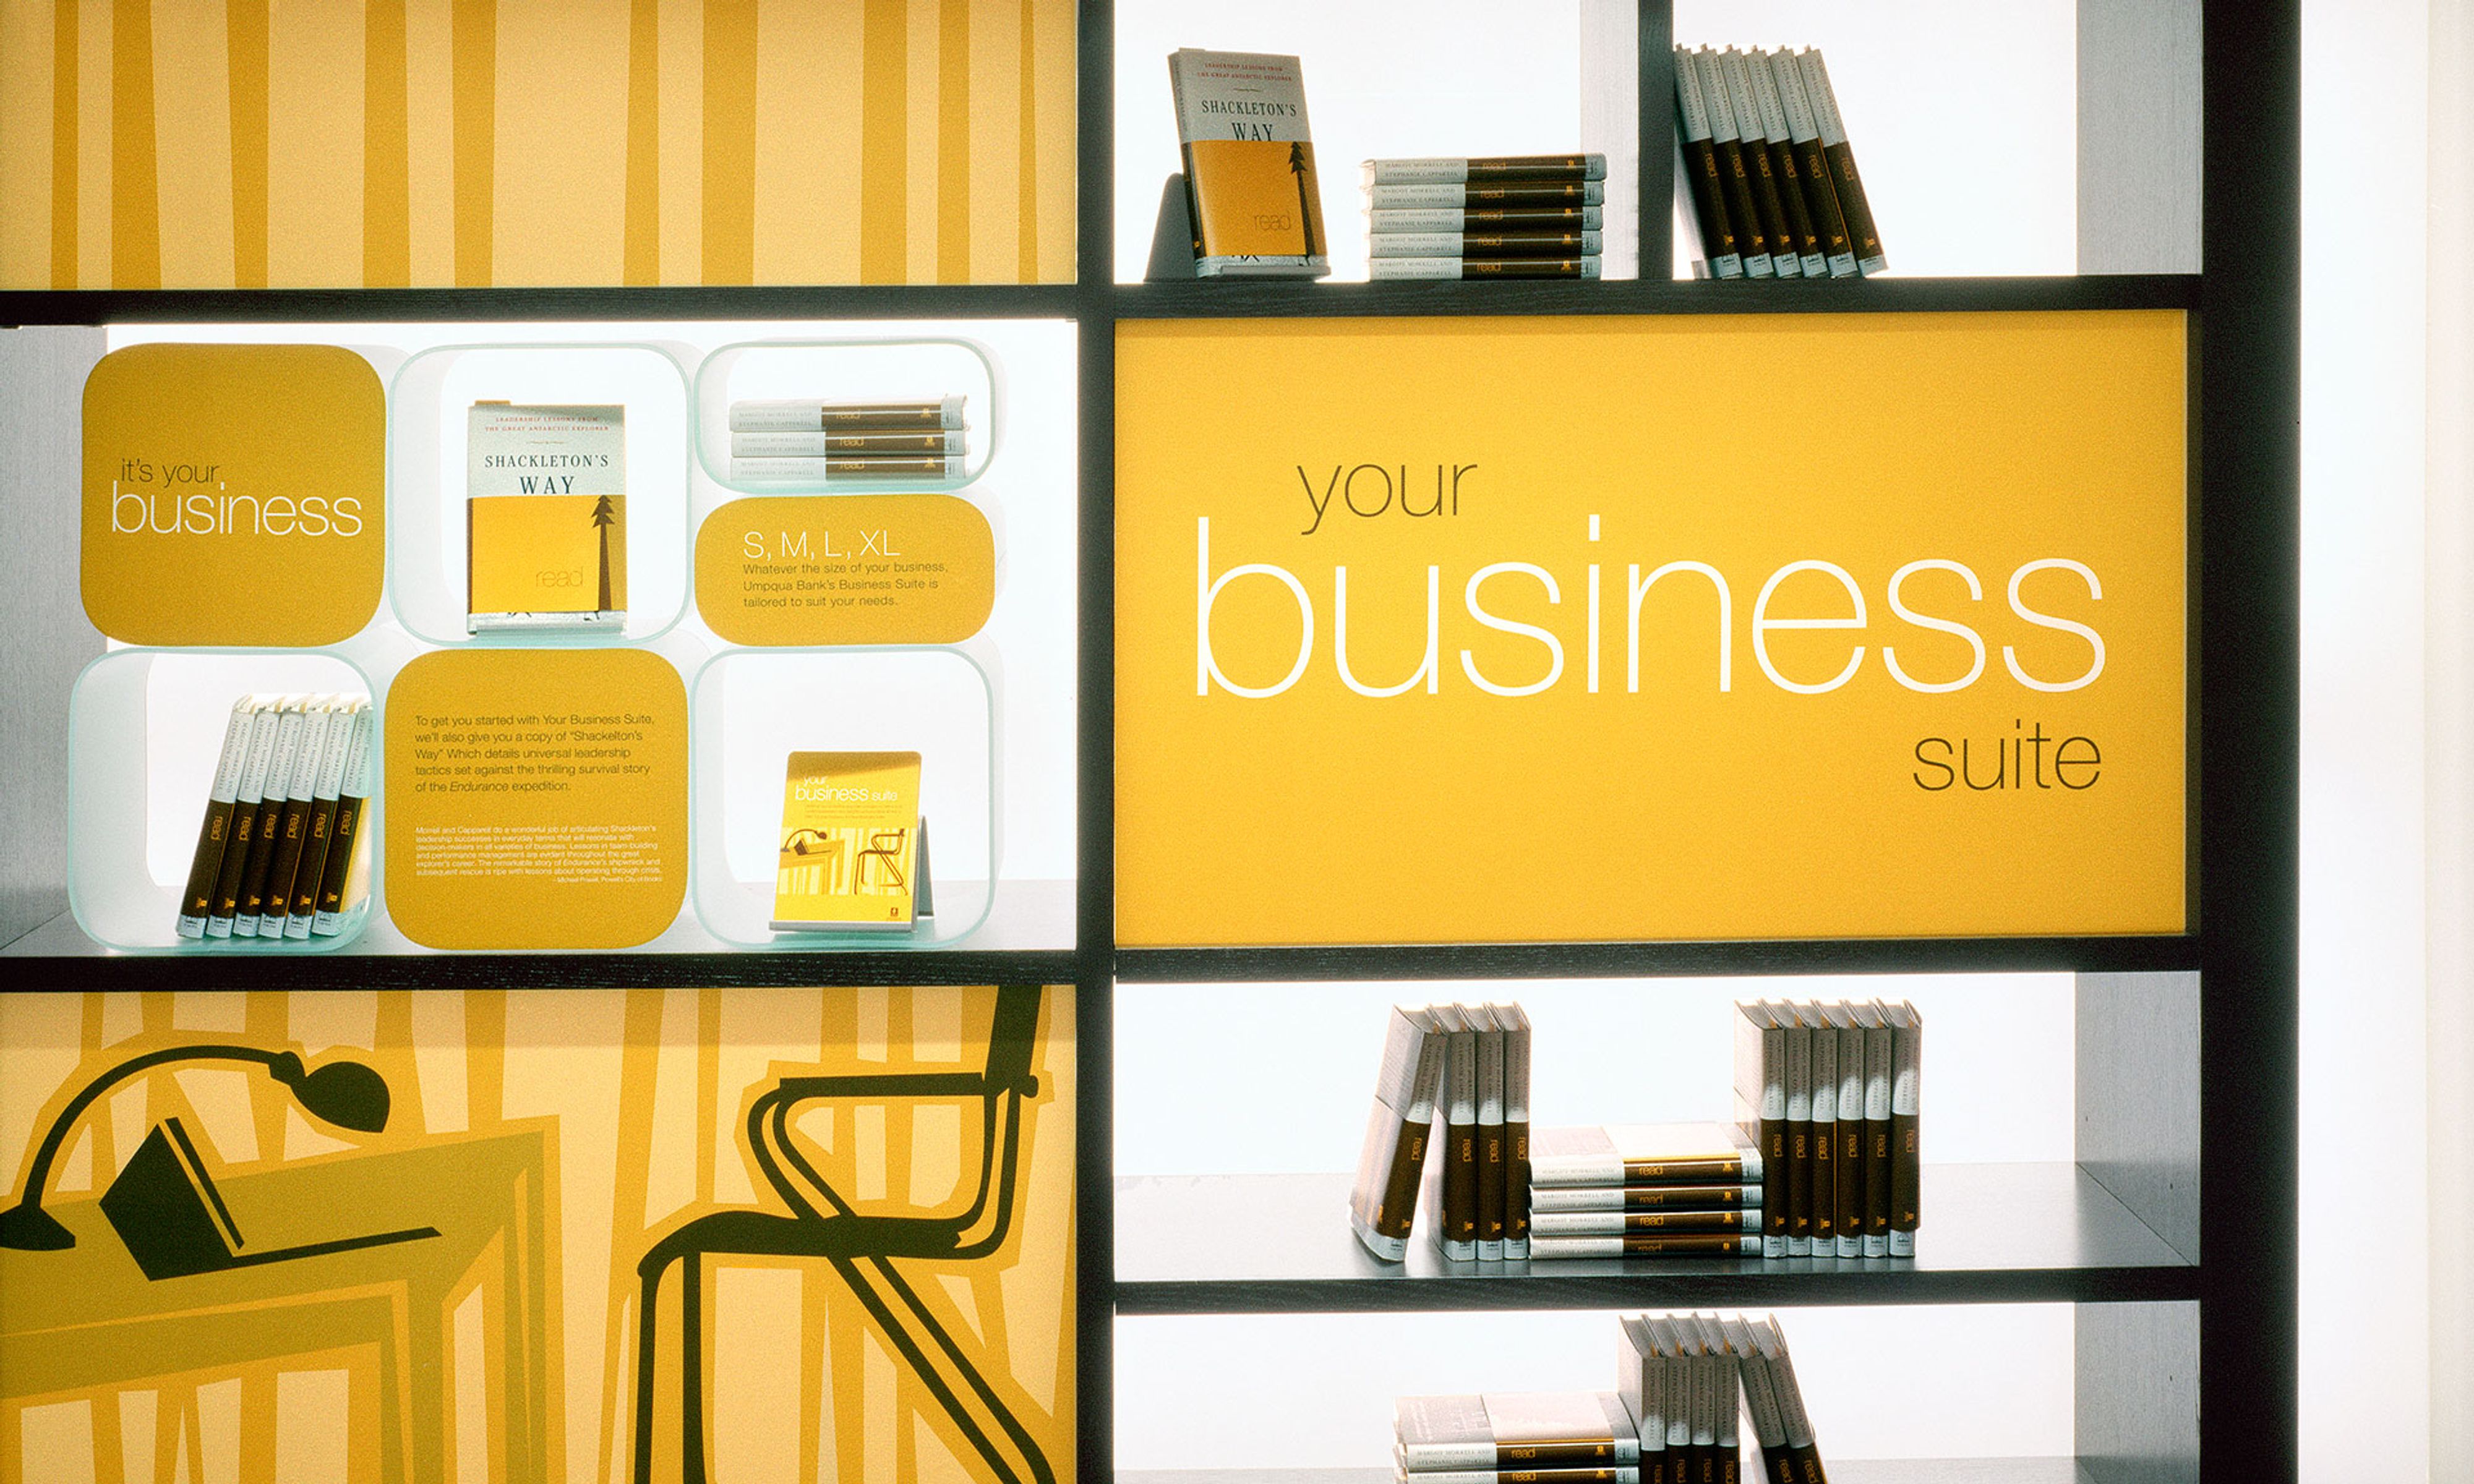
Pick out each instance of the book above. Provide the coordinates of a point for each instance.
(1427, 268)
(1847, 1212)
(1761, 1104)
(1383, 1202)
(1726, 1365)
(1453, 1194)
(248, 802)
(1759, 166)
(1745, 1219)
(289, 719)
(1823, 1194)
(1249, 165)
(1516, 1130)
(1514, 242)
(1484, 219)
(1641, 1154)
(1515, 1430)
(1639, 1198)
(811, 415)
(1812, 167)
(214, 831)
(1481, 169)
(544, 516)
(1645, 1244)
(1492, 1174)
(1640, 1383)
(301, 915)
(1795, 1176)
(1803, 239)
(853, 853)
(1525, 194)
(808, 470)
(1682, 1377)
(1796, 1426)
(1618, 1474)
(849, 445)
(1906, 1074)
(344, 883)
(1698, 193)
(1760, 1404)
(1878, 1054)
(1844, 181)
(292, 823)
(1734, 172)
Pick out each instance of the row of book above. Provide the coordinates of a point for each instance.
(1766, 180)
(1831, 1093)
(808, 440)
(281, 853)
(1686, 1387)
(1511, 216)
(1466, 1068)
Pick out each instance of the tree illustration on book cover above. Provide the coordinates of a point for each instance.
(1303, 169)
(602, 515)
(356, 1235)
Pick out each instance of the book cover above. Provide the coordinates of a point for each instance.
(1382, 1203)
(1796, 1174)
(1249, 166)
(1878, 1058)
(1825, 1129)
(1812, 167)
(1848, 1206)
(1641, 1154)
(546, 517)
(214, 831)
(1515, 1430)
(1760, 1103)
(1453, 1192)
(849, 857)
(1906, 1169)
(344, 883)
(1516, 1130)
(1493, 1167)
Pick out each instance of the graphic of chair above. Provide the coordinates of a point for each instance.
(861, 1248)
(884, 848)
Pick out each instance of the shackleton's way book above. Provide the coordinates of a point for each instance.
(854, 852)
(1384, 1201)
(545, 518)
(1511, 1431)
(1249, 166)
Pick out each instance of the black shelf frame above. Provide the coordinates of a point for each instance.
(2239, 1308)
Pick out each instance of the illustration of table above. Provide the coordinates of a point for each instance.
(87, 1318)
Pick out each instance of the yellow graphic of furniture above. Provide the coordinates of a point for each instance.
(86, 1319)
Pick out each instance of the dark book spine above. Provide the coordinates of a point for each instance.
(1460, 1181)
(1828, 220)
(261, 863)
(1735, 181)
(1531, 193)
(1559, 1458)
(1516, 1199)
(1906, 1173)
(1877, 1177)
(291, 837)
(235, 862)
(1808, 1466)
(313, 858)
(1802, 238)
(1738, 1219)
(1849, 1211)
(1781, 1221)
(1844, 181)
(1399, 1207)
(1708, 211)
(1765, 204)
(1799, 1178)
(1825, 1186)
(206, 868)
(1778, 1465)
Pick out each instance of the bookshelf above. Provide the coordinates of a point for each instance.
(2187, 1066)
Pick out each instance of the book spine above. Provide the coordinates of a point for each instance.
(1460, 1147)
(1824, 1139)
(1458, 170)
(339, 886)
(214, 831)
(1802, 238)
(1486, 219)
(808, 416)
(1850, 1212)
(292, 825)
(1697, 176)
(261, 850)
(1553, 1170)
(1877, 1053)
(1798, 1170)
(1516, 1139)
(829, 469)
(1785, 262)
(1844, 181)
(1905, 1162)
(1812, 167)
(1384, 269)
(1524, 194)
(1518, 243)
(247, 806)
(1543, 1247)
(1618, 1474)
(814, 445)
(1734, 179)
(1621, 1223)
(302, 914)
(1623, 1197)
(1491, 1179)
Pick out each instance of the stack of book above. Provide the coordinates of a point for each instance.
(1644, 1189)
(1683, 1379)
(1566, 1437)
(1767, 182)
(808, 442)
(1829, 1092)
(1455, 1076)
(281, 853)
(1525, 216)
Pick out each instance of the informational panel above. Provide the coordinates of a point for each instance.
(1448, 630)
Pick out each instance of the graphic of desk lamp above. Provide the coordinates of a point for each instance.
(859, 1247)
(163, 1204)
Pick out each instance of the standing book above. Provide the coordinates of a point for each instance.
(854, 852)
(1906, 1171)
(1383, 1204)
(214, 831)
(1492, 1167)
(546, 517)
(1516, 1130)
(1760, 1105)
(1453, 1194)
(1249, 165)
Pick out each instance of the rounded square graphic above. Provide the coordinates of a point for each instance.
(849, 569)
(540, 798)
(233, 495)
(837, 415)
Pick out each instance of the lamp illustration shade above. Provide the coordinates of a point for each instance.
(348, 1095)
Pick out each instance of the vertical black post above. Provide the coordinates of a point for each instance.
(1095, 261)
(1657, 171)
(2249, 452)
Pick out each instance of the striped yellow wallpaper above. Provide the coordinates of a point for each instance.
(476, 143)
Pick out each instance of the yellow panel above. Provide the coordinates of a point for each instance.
(846, 570)
(1761, 761)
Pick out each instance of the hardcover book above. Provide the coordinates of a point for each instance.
(327, 794)
(546, 521)
(1906, 1078)
(1793, 1421)
(1640, 1381)
(1699, 194)
(1761, 1104)
(1382, 1203)
(249, 801)
(1848, 1206)
(811, 415)
(343, 882)
(1493, 1168)
(1516, 1128)
(1641, 1154)
(214, 831)
(1878, 1054)
(1515, 1430)
(1824, 1159)
(1527, 195)
(1249, 166)
(1453, 1194)
(853, 853)
(1813, 165)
